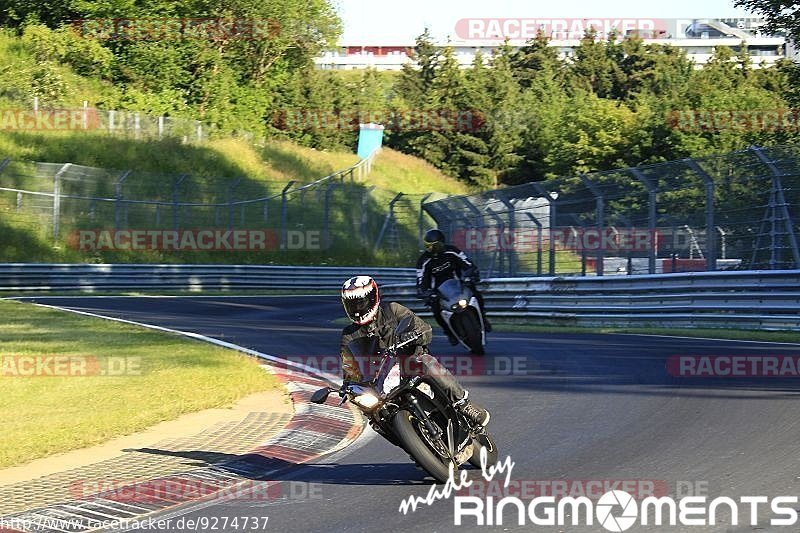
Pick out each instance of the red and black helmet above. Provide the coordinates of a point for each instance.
(360, 298)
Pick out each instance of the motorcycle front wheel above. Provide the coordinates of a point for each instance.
(413, 435)
(471, 330)
(484, 440)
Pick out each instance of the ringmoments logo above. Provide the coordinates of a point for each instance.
(606, 506)
(618, 510)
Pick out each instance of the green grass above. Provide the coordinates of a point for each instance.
(44, 415)
(264, 170)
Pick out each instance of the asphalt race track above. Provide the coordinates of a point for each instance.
(580, 408)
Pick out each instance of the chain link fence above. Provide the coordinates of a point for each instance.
(133, 124)
(735, 211)
(66, 204)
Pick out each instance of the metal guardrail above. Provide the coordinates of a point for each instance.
(768, 299)
(24, 277)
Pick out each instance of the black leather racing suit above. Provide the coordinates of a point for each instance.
(435, 269)
(382, 327)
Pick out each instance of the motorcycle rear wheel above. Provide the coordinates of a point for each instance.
(406, 427)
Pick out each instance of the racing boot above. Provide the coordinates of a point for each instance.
(473, 411)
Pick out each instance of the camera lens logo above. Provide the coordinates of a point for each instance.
(607, 503)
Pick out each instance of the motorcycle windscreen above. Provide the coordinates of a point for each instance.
(363, 346)
(451, 292)
(365, 349)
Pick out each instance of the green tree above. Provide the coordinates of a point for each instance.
(781, 15)
(593, 133)
(596, 65)
(536, 58)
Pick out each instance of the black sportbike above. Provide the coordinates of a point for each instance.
(413, 412)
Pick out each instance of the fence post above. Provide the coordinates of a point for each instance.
(111, 121)
(176, 213)
(199, 132)
(57, 198)
(479, 253)
(538, 243)
(421, 213)
(365, 215)
(85, 114)
(387, 220)
(160, 127)
(502, 239)
(118, 195)
(723, 235)
(600, 215)
(652, 196)
(781, 203)
(136, 125)
(326, 233)
(231, 188)
(551, 200)
(711, 234)
(284, 213)
(498, 252)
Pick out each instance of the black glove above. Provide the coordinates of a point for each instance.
(471, 277)
(426, 296)
(408, 335)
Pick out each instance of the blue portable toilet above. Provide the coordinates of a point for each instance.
(370, 138)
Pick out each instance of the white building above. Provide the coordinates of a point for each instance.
(697, 37)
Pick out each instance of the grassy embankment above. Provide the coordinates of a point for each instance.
(149, 377)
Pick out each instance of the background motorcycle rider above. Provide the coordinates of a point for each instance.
(438, 263)
(371, 317)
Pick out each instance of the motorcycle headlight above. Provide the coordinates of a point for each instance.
(367, 401)
(462, 303)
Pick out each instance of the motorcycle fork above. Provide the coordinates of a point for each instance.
(420, 413)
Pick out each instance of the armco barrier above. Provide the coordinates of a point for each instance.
(765, 299)
(29, 277)
(739, 299)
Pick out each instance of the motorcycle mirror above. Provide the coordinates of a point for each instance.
(321, 395)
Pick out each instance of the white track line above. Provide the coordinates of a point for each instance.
(211, 340)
